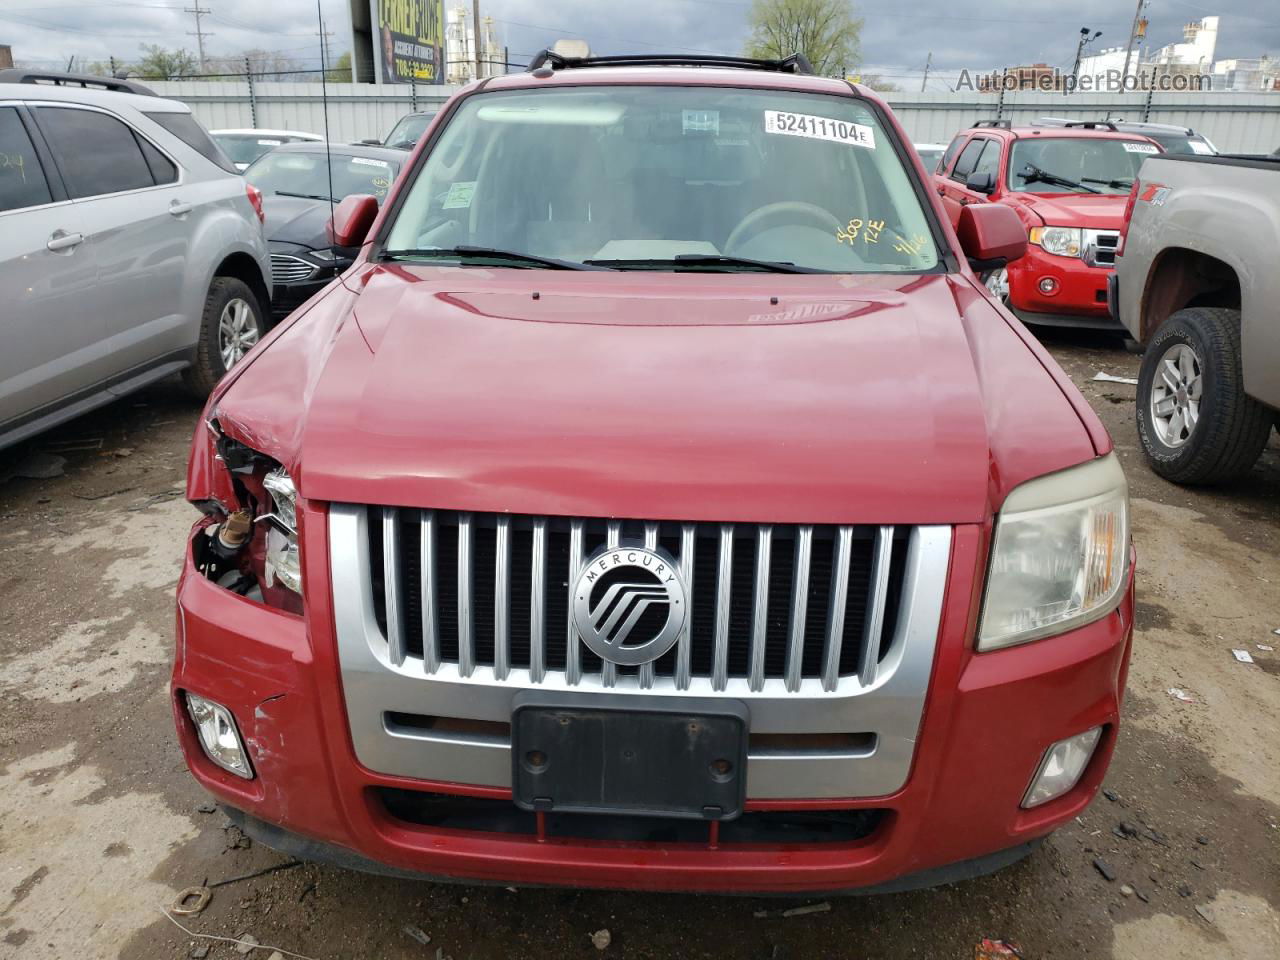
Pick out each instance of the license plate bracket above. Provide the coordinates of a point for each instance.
(682, 757)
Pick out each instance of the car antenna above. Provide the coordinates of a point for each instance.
(324, 99)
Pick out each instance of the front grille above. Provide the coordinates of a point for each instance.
(492, 815)
(465, 591)
(289, 269)
(1100, 247)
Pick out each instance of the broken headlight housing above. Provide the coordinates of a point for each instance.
(1060, 555)
(253, 547)
(282, 563)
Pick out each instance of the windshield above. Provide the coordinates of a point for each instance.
(246, 148)
(929, 156)
(410, 128)
(1076, 164)
(636, 177)
(1184, 144)
(304, 174)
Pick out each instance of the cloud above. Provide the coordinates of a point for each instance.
(896, 39)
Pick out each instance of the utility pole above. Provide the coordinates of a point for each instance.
(199, 33)
(928, 63)
(325, 59)
(1133, 33)
(475, 20)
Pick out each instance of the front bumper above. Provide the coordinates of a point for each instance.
(288, 297)
(987, 722)
(1079, 301)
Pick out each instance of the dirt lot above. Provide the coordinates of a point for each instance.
(100, 825)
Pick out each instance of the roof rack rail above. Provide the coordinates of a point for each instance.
(1092, 125)
(999, 124)
(796, 63)
(86, 80)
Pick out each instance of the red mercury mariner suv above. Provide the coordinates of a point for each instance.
(659, 501)
(1068, 182)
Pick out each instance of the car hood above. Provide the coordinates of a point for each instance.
(1095, 211)
(296, 220)
(754, 398)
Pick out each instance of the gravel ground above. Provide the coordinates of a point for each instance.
(100, 825)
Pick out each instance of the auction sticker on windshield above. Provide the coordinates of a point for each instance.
(1141, 147)
(819, 128)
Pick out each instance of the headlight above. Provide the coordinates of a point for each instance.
(324, 256)
(1060, 241)
(1060, 554)
(283, 563)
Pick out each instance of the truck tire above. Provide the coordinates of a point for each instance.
(1194, 420)
(232, 323)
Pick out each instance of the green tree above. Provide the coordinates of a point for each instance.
(158, 63)
(825, 31)
(340, 72)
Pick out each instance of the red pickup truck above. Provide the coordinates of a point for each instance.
(659, 501)
(1068, 184)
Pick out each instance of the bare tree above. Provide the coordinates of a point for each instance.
(266, 65)
(825, 31)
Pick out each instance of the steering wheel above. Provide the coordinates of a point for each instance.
(788, 211)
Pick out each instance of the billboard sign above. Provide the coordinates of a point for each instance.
(408, 40)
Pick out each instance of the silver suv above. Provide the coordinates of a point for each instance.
(129, 248)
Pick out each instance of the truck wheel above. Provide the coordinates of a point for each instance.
(1194, 420)
(232, 323)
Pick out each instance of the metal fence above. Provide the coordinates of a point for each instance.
(1236, 122)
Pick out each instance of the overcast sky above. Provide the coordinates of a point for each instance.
(896, 39)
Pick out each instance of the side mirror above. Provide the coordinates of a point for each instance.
(981, 182)
(991, 235)
(352, 219)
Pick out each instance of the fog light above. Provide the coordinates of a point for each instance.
(1061, 767)
(219, 736)
(1048, 286)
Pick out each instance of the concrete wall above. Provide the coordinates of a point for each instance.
(1236, 122)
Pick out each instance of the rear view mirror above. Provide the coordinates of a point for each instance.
(991, 235)
(352, 219)
(981, 182)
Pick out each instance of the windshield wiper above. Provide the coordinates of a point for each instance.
(697, 260)
(515, 258)
(304, 196)
(1113, 184)
(1032, 173)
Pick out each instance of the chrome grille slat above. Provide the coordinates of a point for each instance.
(609, 671)
(290, 269)
(799, 606)
(724, 586)
(880, 566)
(573, 650)
(502, 598)
(647, 671)
(777, 607)
(396, 647)
(466, 612)
(684, 645)
(760, 601)
(427, 584)
(836, 606)
(537, 605)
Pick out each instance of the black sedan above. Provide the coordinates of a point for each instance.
(296, 184)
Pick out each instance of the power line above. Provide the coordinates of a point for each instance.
(198, 11)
